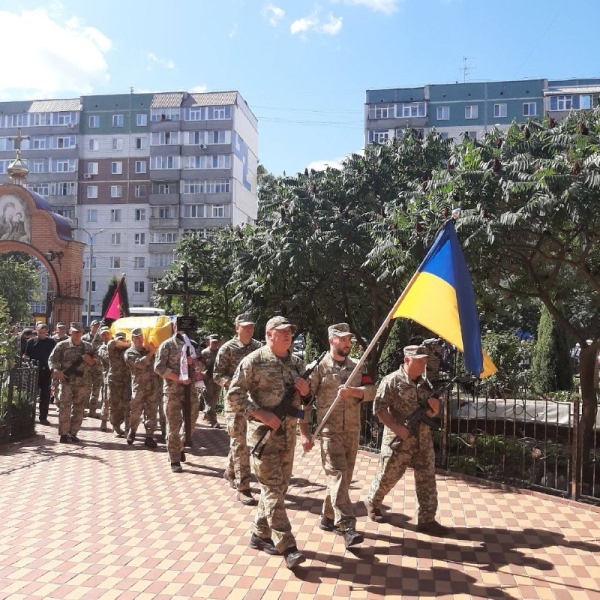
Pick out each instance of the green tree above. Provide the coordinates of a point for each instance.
(8, 349)
(113, 282)
(551, 363)
(19, 285)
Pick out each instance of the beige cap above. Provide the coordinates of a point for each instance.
(339, 330)
(75, 326)
(415, 352)
(244, 319)
(279, 323)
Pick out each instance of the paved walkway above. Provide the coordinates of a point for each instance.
(107, 520)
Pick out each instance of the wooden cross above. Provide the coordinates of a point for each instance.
(17, 140)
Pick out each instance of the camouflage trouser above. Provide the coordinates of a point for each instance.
(95, 375)
(238, 460)
(119, 396)
(211, 394)
(105, 416)
(72, 396)
(54, 388)
(145, 401)
(162, 418)
(418, 454)
(273, 471)
(338, 455)
(174, 401)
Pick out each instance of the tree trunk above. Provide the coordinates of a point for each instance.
(587, 367)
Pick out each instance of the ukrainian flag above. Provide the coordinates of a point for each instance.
(440, 297)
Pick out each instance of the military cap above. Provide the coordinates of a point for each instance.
(94, 323)
(415, 352)
(120, 335)
(27, 331)
(244, 319)
(279, 323)
(137, 332)
(58, 325)
(75, 326)
(339, 330)
(41, 325)
(104, 330)
(213, 337)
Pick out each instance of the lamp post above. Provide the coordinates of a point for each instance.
(91, 237)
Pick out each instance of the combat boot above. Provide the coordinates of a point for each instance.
(131, 437)
(150, 442)
(176, 467)
(326, 524)
(293, 557)
(374, 513)
(64, 439)
(117, 431)
(352, 537)
(433, 528)
(183, 457)
(246, 498)
(103, 426)
(264, 544)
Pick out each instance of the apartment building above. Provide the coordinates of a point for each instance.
(459, 109)
(135, 173)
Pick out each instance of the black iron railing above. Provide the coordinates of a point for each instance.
(18, 396)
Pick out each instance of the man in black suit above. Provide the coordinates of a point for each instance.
(39, 348)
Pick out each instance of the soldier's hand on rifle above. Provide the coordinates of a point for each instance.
(302, 386)
(434, 404)
(58, 375)
(402, 432)
(267, 417)
(90, 360)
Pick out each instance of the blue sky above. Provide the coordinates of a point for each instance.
(302, 66)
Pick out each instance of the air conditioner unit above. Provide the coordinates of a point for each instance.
(202, 147)
(87, 175)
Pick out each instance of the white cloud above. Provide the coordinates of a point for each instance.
(162, 62)
(273, 14)
(387, 7)
(233, 30)
(321, 165)
(56, 57)
(199, 89)
(301, 27)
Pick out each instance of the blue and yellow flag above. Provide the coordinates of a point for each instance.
(440, 297)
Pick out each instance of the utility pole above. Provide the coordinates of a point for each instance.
(91, 260)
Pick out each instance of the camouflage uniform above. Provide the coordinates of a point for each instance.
(144, 386)
(94, 375)
(433, 348)
(238, 462)
(340, 434)
(168, 360)
(55, 383)
(103, 360)
(72, 392)
(261, 381)
(119, 385)
(213, 389)
(400, 396)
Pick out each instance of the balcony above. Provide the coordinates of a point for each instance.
(159, 199)
(156, 223)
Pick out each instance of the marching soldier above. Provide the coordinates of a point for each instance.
(340, 435)
(105, 337)
(258, 386)
(168, 366)
(398, 395)
(228, 358)
(95, 374)
(69, 361)
(119, 383)
(60, 335)
(212, 390)
(144, 385)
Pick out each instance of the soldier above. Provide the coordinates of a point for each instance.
(144, 384)
(105, 337)
(60, 335)
(258, 386)
(340, 435)
(39, 349)
(69, 361)
(212, 389)
(119, 383)
(95, 373)
(168, 366)
(228, 358)
(398, 395)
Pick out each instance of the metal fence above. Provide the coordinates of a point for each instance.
(18, 396)
(523, 441)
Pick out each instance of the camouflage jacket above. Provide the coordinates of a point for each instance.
(400, 397)
(103, 358)
(324, 383)
(168, 359)
(141, 365)
(230, 355)
(117, 368)
(209, 357)
(66, 353)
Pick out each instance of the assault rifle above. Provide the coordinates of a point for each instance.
(285, 408)
(73, 368)
(419, 415)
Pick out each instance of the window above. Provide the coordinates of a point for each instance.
(116, 168)
(165, 162)
(560, 103)
(138, 286)
(66, 188)
(443, 113)
(164, 114)
(38, 143)
(94, 121)
(195, 114)
(140, 239)
(499, 111)
(193, 211)
(39, 166)
(64, 118)
(117, 143)
(87, 286)
(62, 165)
(529, 109)
(140, 166)
(115, 262)
(379, 137)
(381, 111)
(471, 112)
(214, 161)
(218, 211)
(139, 262)
(164, 212)
(585, 102)
(92, 168)
(165, 138)
(139, 143)
(92, 191)
(166, 237)
(161, 260)
(115, 239)
(218, 113)
(117, 120)
(141, 119)
(86, 264)
(199, 232)
(140, 214)
(164, 188)
(43, 189)
(140, 191)
(115, 215)
(414, 109)
(93, 145)
(92, 215)
(116, 191)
